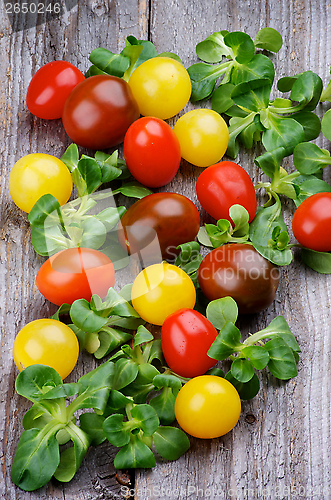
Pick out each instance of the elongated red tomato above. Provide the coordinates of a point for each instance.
(50, 87)
(186, 336)
(312, 222)
(99, 111)
(152, 151)
(225, 184)
(75, 273)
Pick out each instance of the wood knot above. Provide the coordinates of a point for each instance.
(250, 418)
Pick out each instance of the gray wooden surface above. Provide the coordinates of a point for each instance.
(280, 448)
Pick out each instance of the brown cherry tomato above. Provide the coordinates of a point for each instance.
(157, 224)
(239, 271)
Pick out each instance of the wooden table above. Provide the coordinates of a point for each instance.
(280, 448)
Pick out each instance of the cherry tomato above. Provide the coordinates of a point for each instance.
(207, 407)
(46, 342)
(160, 290)
(225, 184)
(99, 111)
(161, 86)
(35, 175)
(239, 271)
(157, 224)
(152, 151)
(203, 136)
(50, 87)
(186, 336)
(312, 222)
(75, 273)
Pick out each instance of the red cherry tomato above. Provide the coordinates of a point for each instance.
(157, 224)
(99, 111)
(186, 336)
(152, 151)
(312, 222)
(75, 273)
(50, 88)
(225, 184)
(240, 272)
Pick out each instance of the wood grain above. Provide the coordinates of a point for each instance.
(281, 445)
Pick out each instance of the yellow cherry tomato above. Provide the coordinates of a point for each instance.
(207, 407)
(160, 290)
(46, 342)
(203, 137)
(161, 87)
(35, 175)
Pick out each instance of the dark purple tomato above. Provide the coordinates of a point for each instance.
(240, 272)
(99, 111)
(155, 225)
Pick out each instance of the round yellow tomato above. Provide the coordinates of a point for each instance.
(161, 87)
(46, 342)
(207, 407)
(160, 290)
(35, 175)
(203, 137)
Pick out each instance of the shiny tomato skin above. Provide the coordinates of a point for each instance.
(312, 222)
(225, 184)
(46, 342)
(186, 336)
(152, 151)
(99, 111)
(75, 273)
(50, 87)
(239, 271)
(171, 217)
(207, 407)
(161, 289)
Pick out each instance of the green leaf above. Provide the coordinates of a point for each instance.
(94, 233)
(307, 90)
(226, 343)
(138, 52)
(221, 99)
(270, 162)
(35, 380)
(240, 218)
(125, 373)
(110, 216)
(167, 381)
(112, 64)
(42, 209)
(90, 172)
(282, 362)
(242, 370)
(115, 430)
(260, 66)
(203, 237)
(326, 125)
(71, 157)
(146, 417)
(170, 442)
(308, 185)
(91, 424)
(142, 336)
(252, 95)
(119, 306)
(110, 339)
(85, 318)
(133, 190)
(220, 311)
(283, 132)
(63, 309)
(246, 390)
(242, 46)
(310, 122)
(278, 327)
(268, 39)
(164, 405)
(49, 240)
(213, 48)
(257, 355)
(37, 457)
(71, 458)
(308, 158)
(135, 454)
(319, 261)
